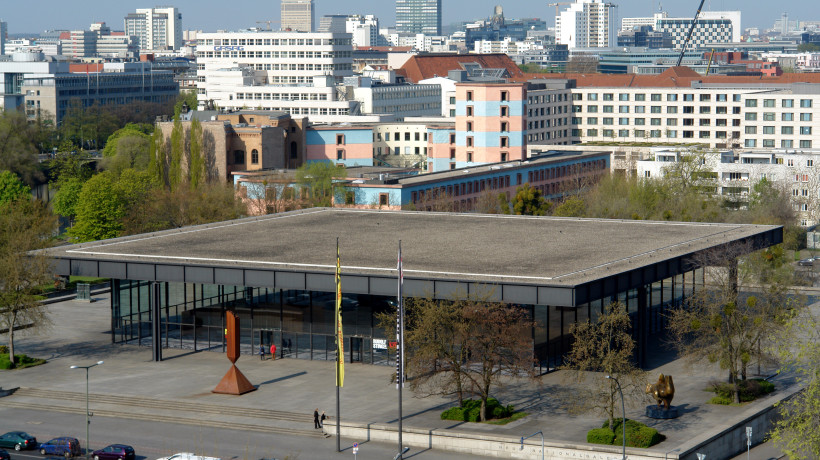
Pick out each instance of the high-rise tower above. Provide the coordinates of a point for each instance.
(418, 17)
(298, 15)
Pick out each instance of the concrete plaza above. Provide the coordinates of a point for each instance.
(178, 390)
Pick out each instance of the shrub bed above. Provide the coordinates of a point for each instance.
(21, 361)
(470, 411)
(637, 434)
(750, 389)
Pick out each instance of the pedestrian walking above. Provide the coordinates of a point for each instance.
(322, 419)
(261, 352)
(316, 424)
(272, 351)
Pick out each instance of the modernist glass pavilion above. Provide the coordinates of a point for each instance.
(277, 273)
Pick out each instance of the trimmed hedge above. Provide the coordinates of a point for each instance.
(600, 436)
(637, 434)
(470, 411)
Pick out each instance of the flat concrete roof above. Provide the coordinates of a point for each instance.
(543, 260)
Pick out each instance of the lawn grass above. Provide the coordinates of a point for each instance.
(72, 283)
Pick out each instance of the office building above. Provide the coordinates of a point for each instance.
(586, 24)
(298, 15)
(713, 27)
(4, 32)
(418, 17)
(155, 28)
(117, 83)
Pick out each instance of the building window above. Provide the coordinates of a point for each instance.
(786, 144)
(787, 116)
(452, 154)
(788, 103)
(751, 130)
(469, 141)
(469, 157)
(768, 143)
(452, 138)
(340, 139)
(505, 95)
(750, 143)
(768, 130)
(805, 144)
(786, 130)
(608, 96)
(407, 136)
(751, 102)
(384, 199)
(469, 126)
(503, 156)
(505, 111)
(505, 126)
(505, 142)
(469, 111)
(254, 157)
(768, 102)
(340, 154)
(805, 103)
(238, 157)
(469, 95)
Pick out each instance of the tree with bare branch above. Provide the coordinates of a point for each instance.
(604, 347)
(25, 225)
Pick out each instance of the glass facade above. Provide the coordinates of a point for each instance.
(300, 323)
(418, 17)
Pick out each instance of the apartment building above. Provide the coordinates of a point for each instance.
(549, 117)
(586, 24)
(490, 123)
(736, 173)
(680, 106)
(155, 28)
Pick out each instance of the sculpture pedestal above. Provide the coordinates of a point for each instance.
(653, 411)
(234, 383)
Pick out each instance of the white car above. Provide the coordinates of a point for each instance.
(187, 456)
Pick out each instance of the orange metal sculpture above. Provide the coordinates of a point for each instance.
(234, 382)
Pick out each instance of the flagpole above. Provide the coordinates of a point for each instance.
(400, 345)
(338, 350)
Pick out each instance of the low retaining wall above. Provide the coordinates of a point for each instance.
(721, 442)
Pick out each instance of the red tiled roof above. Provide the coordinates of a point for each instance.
(424, 66)
(673, 77)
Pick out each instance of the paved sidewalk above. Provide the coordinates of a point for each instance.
(79, 336)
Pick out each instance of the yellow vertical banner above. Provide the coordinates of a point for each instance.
(340, 347)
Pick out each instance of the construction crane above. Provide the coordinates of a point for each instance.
(689, 35)
(558, 5)
(268, 23)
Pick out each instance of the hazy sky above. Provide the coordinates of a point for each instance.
(209, 15)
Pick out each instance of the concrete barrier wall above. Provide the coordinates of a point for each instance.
(722, 442)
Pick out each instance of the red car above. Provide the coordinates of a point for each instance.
(115, 452)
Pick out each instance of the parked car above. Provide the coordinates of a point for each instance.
(115, 452)
(65, 446)
(4, 455)
(18, 440)
(187, 456)
(808, 262)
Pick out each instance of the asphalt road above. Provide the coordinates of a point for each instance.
(154, 440)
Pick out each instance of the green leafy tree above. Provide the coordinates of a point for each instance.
(163, 209)
(18, 148)
(104, 202)
(795, 432)
(317, 181)
(604, 347)
(11, 188)
(158, 161)
(197, 173)
(67, 196)
(25, 225)
(133, 151)
(142, 130)
(187, 98)
(528, 201)
(177, 152)
(571, 207)
(808, 48)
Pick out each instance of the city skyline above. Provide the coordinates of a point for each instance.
(211, 16)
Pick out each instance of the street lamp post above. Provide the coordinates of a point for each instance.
(87, 413)
(542, 442)
(623, 414)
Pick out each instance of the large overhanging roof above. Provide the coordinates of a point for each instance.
(519, 259)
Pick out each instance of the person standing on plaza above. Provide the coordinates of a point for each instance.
(316, 424)
(322, 419)
(261, 352)
(272, 351)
